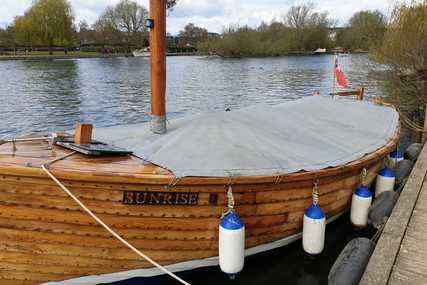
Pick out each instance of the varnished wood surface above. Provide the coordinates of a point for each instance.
(158, 57)
(45, 236)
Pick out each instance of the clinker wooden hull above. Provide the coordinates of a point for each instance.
(45, 236)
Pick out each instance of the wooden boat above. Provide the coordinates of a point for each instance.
(45, 236)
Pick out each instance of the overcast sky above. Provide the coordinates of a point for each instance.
(212, 14)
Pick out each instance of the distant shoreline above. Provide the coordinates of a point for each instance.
(79, 56)
(296, 53)
(53, 57)
(116, 55)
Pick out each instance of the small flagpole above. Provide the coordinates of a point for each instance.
(333, 73)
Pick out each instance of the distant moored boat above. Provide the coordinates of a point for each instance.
(320, 51)
(145, 52)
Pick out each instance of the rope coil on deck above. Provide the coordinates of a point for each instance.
(105, 226)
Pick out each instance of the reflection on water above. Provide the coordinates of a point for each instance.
(52, 95)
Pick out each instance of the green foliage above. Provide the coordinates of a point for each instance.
(123, 23)
(309, 29)
(405, 43)
(24, 29)
(303, 30)
(192, 35)
(404, 51)
(364, 31)
(47, 22)
(7, 37)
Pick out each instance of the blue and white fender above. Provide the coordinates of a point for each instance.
(313, 230)
(231, 244)
(385, 181)
(394, 158)
(360, 203)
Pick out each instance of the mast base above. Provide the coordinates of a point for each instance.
(158, 124)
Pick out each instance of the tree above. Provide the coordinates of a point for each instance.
(365, 30)
(106, 33)
(2, 36)
(47, 22)
(5, 40)
(298, 17)
(85, 34)
(192, 35)
(53, 22)
(126, 20)
(25, 31)
(309, 28)
(403, 50)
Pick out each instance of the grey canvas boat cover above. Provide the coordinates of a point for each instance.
(308, 134)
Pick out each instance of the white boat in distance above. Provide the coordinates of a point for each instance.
(320, 51)
(141, 52)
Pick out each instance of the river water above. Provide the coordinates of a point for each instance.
(39, 96)
(53, 95)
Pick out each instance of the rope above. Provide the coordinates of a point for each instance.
(315, 193)
(230, 198)
(173, 183)
(99, 221)
(230, 202)
(363, 176)
(378, 233)
(410, 124)
(403, 118)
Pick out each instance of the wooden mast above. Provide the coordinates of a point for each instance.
(158, 65)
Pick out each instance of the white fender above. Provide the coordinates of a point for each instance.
(385, 181)
(360, 203)
(313, 230)
(394, 158)
(231, 244)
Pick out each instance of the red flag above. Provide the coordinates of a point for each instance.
(339, 75)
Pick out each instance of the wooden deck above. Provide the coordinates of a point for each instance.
(400, 256)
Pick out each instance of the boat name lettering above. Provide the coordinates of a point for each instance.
(159, 198)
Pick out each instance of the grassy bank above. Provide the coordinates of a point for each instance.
(40, 55)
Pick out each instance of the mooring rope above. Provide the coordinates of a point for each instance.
(230, 202)
(378, 233)
(403, 118)
(363, 176)
(105, 226)
(230, 198)
(410, 124)
(315, 193)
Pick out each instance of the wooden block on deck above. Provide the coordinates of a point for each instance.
(358, 93)
(83, 133)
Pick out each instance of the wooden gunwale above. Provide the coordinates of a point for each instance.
(17, 196)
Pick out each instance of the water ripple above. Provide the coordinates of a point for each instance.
(54, 94)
